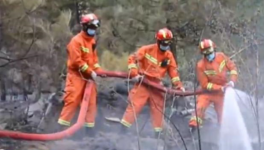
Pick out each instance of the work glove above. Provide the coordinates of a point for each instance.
(138, 78)
(179, 88)
(100, 70)
(133, 72)
(223, 88)
(103, 75)
(182, 89)
(230, 84)
(93, 75)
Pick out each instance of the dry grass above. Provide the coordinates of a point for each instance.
(113, 62)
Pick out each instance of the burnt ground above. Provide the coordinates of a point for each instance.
(112, 103)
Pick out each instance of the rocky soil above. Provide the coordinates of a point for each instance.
(111, 103)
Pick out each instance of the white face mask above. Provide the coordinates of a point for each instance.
(91, 31)
(210, 57)
(164, 48)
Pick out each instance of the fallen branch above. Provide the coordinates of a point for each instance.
(16, 60)
(242, 49)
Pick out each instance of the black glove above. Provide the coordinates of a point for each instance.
(164, 63)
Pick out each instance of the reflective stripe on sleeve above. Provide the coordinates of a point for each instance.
(175, 79)
(97, 65)
(132, 66)
(152, 59)
(84, 68)
(233, 72)
(209, 86)
(222, 65)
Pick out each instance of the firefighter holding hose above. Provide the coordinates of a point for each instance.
(82, 64)
(212, 72)
(152, 62)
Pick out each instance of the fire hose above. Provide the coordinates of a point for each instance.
(151, 84)
(59, 135)
(84, 106)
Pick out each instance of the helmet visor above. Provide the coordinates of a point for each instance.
(165, 42)
(93, 24)
(207, 51)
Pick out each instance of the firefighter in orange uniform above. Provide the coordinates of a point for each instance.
(212, 76)
(82, 63)
(152, 62)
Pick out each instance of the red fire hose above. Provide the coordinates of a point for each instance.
(149, 83)
(81, 118)
(59, 135)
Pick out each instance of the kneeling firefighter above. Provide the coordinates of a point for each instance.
(152, 62)
(212, 76)
(82, 63)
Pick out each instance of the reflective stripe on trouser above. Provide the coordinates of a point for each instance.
(89, 125)
(203, 102)
(64, 122)
(74, 90)
(139, 96)
(194, 121)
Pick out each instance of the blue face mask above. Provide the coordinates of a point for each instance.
(91, 32)
(210, 57)
(164, 48)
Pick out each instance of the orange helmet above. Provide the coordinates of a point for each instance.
(90, 19)
(207, 46)
(164, 34)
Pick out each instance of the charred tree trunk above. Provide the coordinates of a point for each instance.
(77, 10)
(1, 28)
(3, 91)
(174, 43)
(3, 87)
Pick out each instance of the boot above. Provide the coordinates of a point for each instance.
(192, 129)
(90, 132)
(61, 128)
(193, 126)
(157, 135)
(123, 129)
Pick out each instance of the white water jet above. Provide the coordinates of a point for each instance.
(233, 132)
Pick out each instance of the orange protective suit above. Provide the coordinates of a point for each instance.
(149, 60)
(82, 60)
(213, 76)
